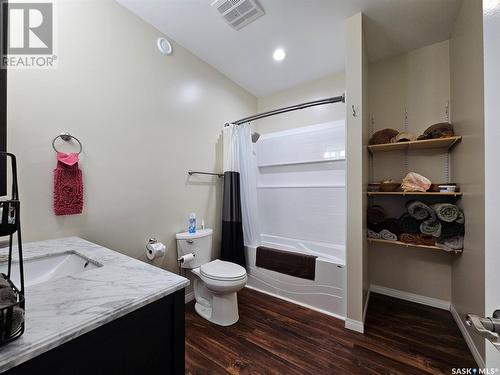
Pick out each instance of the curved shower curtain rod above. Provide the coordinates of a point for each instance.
(335, 99)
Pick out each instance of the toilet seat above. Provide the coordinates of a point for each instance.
(223, 271)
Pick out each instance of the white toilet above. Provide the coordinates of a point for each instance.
(216, 282)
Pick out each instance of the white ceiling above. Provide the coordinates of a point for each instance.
(311, 31)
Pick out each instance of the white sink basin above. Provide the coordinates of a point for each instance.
(43, 269)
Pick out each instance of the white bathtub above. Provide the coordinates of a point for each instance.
(326, 293)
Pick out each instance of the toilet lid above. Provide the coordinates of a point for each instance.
(221, 270)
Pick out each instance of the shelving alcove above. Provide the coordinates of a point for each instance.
(439, 143)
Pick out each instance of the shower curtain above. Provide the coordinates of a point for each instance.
(248, 177)
(232, 247)
(239, 191)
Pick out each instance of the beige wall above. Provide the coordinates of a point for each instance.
(144, 120)
(467, 103)
(365, 169)
(325, 87)
(418, 81)
(356, 173)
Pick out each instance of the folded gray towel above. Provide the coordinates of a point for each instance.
(446, 211)
(389, 236)
(431, 228)
(454, 243)
(461, 217)
(420, 211)
(373, 234)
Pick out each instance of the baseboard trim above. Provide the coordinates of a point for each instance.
(189, 297)
(295, 302)
(354, 325)
(468, 339)
(412, 297)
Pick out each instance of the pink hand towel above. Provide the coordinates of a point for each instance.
(68, 185)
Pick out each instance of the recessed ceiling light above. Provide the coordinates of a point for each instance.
(279, 54)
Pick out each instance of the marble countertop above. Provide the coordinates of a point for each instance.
(62, 309)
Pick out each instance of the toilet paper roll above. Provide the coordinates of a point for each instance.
(155, 250)
(186, 258)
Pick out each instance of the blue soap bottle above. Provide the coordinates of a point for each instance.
(192, 223)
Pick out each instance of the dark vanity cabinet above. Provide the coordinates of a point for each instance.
(149, 340)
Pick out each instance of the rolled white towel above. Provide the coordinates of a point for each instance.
(373, 234)
(387, 235)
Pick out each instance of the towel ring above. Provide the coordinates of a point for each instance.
(66, 137)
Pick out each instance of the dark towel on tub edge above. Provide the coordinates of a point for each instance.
(287, 262)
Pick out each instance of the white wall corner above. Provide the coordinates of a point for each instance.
(354, 325)
(412, 297)
(468, 339)
(189, 297)
(366, 305)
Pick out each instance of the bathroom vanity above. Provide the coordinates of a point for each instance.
(91, 310)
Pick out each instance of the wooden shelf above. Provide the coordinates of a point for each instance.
(446, 143)
(402, 193)
(404, 244)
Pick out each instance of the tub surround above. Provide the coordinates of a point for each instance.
(325, 293)
(63, 309)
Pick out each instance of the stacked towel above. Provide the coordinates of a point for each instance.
(431, 228)
(417, 239)
(442, 224)
(452, 229)
(375, 215)
(420, 211)
(388, 235)
(427, 240)
(453, 243)
(391, 225)
(408, 224)
(373, 234)
(446, 211)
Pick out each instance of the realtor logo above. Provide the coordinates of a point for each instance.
(29, 40)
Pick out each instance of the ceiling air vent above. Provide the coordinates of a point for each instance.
(238, 13)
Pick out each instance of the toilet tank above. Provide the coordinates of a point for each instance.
(199, 243)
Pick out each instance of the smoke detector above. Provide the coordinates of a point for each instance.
(238, 13)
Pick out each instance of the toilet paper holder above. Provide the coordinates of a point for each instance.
(180, 262)
(155, 248)
(181, 259)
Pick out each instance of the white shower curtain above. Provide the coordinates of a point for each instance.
(248, 177)
(239, 216)
(232, 242)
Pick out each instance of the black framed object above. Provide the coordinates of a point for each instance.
(3, 97)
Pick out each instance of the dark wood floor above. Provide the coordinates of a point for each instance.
(278, 337)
